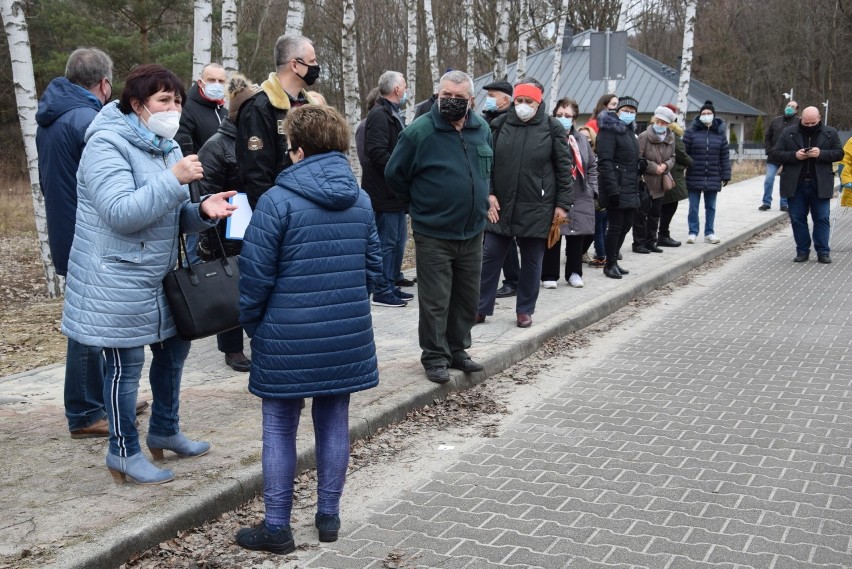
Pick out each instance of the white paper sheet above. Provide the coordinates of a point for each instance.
(236, 225)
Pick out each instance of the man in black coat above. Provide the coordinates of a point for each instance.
(204, 109)
(381, 132)
(773, 133)
(261, 143)
(807, 150)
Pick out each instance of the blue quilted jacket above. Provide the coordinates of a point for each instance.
(309, 261)
(130, 209)
(711, 158)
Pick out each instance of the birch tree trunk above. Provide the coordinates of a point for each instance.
(686, 61)
(523, 39)
(501, 42)
(434, 66)
(296, 17)
(12, 13)
(230, 49)
(202, 37)
(470, 36)
(351, 97)
(411, 63)
(557, 53)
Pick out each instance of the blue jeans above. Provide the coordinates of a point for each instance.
(84, 385)
(769, 183)
(494, 250)
(709, 212)
(121, 385)
(192, 248)
(331, 438)
(600, 234)
(393, 232)
(807, 199)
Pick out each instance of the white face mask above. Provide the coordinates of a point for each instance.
(524, 112)
(706, 119)
(164, 123)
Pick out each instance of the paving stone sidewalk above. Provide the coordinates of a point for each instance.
(58, 501)
(717, 436)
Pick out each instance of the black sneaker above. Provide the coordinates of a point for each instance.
(328, 526)
(667, 242)
(785, 208)
(467, 365)
(641, 249)
(764, 207)
(406, 296)
(437, 374)
(388, 298)
(261, 539)
(406, 282)
(506, 291)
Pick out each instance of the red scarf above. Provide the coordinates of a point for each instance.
(577, 167)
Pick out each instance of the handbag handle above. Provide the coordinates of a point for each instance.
(226, 265)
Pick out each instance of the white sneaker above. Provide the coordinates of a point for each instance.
(575, 280)
(549, 284)
(691, 238)
(711, 238)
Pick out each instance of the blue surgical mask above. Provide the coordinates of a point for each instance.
(627, 118)
(403, 99)
(660, 129)
(490, 104)
(215, 91)
(566, 122)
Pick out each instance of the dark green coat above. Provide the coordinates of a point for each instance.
(531, 174)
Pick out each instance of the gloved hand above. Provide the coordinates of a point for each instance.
(613, 201)
(725, 183)
(642, 166)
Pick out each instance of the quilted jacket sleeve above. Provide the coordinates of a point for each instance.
(259, 261)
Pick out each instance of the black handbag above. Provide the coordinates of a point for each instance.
(205, 297)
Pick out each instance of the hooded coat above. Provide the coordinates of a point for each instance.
(656, 152)
(310, 259)
(130, 211)
(708, 147)
(618, 163)
(64, 113)
(531, 174)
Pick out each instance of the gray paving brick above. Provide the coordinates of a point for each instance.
(526, 558)
(481, 535)
(438, 545)
(492, 553)
(330, 560)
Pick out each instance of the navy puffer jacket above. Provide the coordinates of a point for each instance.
(711, 157)
(309, 261)
(618, 163)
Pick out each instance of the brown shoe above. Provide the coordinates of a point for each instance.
(524, 320)
(141, 406)
(97, 429)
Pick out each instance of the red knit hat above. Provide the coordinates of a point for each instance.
(528, 90)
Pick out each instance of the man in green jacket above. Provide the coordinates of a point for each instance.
(440, 169)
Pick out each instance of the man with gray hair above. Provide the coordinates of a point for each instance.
(67, 107)
(261, 145)
(441, 171)
(381, 131)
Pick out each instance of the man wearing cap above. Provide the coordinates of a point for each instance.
(773, 133)
(619, 169)
(441, 170)
(497, 103)
(807, 151)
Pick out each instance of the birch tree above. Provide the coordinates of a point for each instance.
(523, 39)
(351, 96)
(470, 36)
(501, 42)
(561, 19)
(230, 49)
(296, 17)
(686, 61)
(17, 34)
(411, 63)
(432, 43)
(202, 37)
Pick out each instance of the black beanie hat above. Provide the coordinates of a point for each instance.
(708, 105)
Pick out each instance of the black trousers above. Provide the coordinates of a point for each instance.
(620, 222)
(646, 221)
(575, 246)
(667, 212)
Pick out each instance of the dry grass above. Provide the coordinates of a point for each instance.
(746, 169)
(17, 215)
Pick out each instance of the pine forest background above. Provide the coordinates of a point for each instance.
(754, 50)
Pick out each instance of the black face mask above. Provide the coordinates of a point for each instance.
(452, 109)
(810, 130)
(311, 75)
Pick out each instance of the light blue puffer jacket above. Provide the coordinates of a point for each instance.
(310, 258)
(130, 211)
